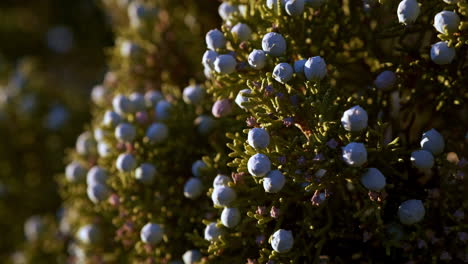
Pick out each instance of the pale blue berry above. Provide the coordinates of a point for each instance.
(215, 39)
(125, 162)
(34, 227)
(241, 99)
(257, 59)
(283, 72)
(226, 10)
(163, 110)
(315, 68)
(152, 98)
(56, 117)
(230, 217)
(151, 234)
(411, 212)
(205, 124)
(75, 172)
(274, 181)
(96, 175)
(97, 192)
(299, 66)
(145, 173)
(101, 134)
(221, 180)
(209, 58)
(273, 4)
(225, 64)
(122, 105)
(221, 108)
(354, 154)
(422, 159)
(85, 144)
(89, 234)
(282, 241)
(192, 256)
(111, 119)
(223, 195)
(193, 188)
(125, 132)
(259, 165)
(274, 44)
(104, 149)
(408, 11)
(354, 119)
(197, 166)
(373, 180)
(193, 94)
(442, 54)
(129, 49)
(241, 32)
(294, 7)
(258, 138)
(138, 102)
(433, 141)
(446, 22)
(157, 133)
(385, 80)
(212, 232)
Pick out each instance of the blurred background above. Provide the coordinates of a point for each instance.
(52, 52)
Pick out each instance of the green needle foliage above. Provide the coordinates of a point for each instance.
(338, 136)
(334, 213)
(166, 132)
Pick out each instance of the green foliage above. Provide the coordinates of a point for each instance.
(333, 202)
